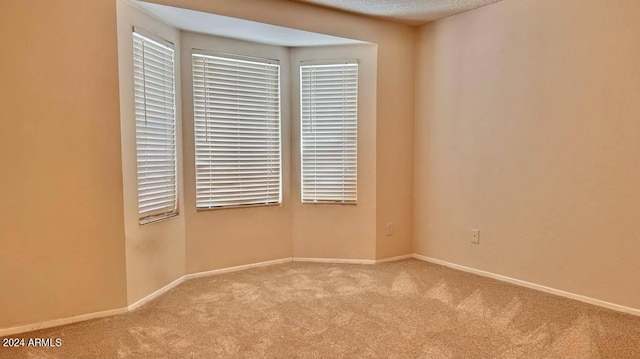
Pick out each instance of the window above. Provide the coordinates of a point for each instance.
(329, 132)
(154, 91)
(237, 131)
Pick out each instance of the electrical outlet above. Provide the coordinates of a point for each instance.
(475, 236)
(389, 229)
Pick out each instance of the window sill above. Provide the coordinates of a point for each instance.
(156, 218)
(207, 209)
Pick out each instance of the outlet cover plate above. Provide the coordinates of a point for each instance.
(475, 236)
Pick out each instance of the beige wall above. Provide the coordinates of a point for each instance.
(394, 148)
(61, 222)
(394, 108)
(155, 252)
(527, 128)
(63, 227)
(339, 231)
(233, 236)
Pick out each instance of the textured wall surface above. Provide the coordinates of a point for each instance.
(527, 129)
(156, 251)
(234, 236)
(61, 219)
(394, 111)
(62, 228)
(337, 231)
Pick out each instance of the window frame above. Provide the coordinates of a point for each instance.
(171, 210)
(328, 63)
(278, 120)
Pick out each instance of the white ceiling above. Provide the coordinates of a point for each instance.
(413, 12)
(241, 29)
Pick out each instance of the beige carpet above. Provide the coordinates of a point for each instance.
(406, 309)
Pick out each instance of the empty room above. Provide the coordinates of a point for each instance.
(320, 179)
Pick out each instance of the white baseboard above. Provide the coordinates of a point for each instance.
(139, 303)
(352, 261)
(236, 268)
(58, 322)
(394, 259)
(175, 283)
(522, 283)
(143, 301)
(335, 260)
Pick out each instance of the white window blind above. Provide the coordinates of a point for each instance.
(237, 131)
(329, 132)
(153, 67)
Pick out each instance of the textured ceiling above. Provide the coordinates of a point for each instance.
(413, 12)
(225, 26)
